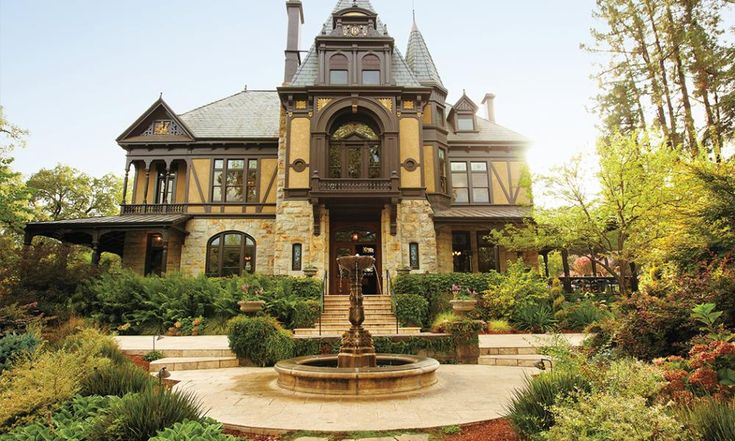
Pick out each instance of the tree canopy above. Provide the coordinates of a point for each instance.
(14, 196)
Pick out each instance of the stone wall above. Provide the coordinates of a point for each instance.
(194, 251)
(414, 225)
(295, 224)
(134, 251)
(444, 250)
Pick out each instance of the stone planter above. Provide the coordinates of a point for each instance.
(251, 306)
(403, 271)
(310, 271)
(462, 307)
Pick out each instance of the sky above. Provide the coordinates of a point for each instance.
(77, 73)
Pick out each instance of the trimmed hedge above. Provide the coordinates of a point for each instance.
(412, 310)
(436, 288)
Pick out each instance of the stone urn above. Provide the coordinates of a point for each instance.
(251, 306)
(310, 271)
(462, 306)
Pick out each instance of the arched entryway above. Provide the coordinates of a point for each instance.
(352, 233)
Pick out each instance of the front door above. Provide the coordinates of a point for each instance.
(349, 239)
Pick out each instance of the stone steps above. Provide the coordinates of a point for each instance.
(379, 317)
(526, 350)
(193, 363)
(331, 332)
(179, 353)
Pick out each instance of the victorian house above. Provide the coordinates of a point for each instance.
(357, 152)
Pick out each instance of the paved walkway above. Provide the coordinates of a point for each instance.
(249, 399)
(219, 342)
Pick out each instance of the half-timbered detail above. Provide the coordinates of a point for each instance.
(357, 152)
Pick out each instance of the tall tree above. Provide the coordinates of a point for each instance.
(65, 193)
(14, 195)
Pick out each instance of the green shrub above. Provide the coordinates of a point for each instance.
(437, 288)
(577, 316)
(248, 337)
(631, 378)
(509, 291)
(530, 408)
(73, 421)
(604, 417)
(412, 310)
(279, 346)
(710, 419)
(153, 356)
(442, 321)
(498, 326)
(305, 313)
(534, 318)
(14, 345)
(465, 331)
(139, 416)
(116, 379)
(193, 431)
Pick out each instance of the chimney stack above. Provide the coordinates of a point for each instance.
(295, 12)
(489, 102)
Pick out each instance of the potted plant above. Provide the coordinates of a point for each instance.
(463, 300)
(310, 271)
(251, 302)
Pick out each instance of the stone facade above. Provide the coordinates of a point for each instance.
(295, 225)
(414, 225)
(194, 250)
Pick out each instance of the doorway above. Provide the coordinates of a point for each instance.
(154, 255)
(349, 239)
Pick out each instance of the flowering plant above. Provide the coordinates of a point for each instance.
(251, 292)
(459, 293)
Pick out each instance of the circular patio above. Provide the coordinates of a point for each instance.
(249, 399)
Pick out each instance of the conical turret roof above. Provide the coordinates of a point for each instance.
(420, 61)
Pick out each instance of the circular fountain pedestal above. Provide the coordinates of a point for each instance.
(393, 374)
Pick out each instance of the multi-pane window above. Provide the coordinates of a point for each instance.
(230, 253)
(354, 153)
(465, 123)
(338, 70)
(460, 183)
(461, 252)
(470, 182)
(487, 253)
(235, 180)
(371, 70)
(165, 195)
(443, 170)
(439, 117)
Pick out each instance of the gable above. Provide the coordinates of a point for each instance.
(158, 124)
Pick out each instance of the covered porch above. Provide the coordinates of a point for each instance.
(147, 244)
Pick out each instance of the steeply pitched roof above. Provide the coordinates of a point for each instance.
(487, 132)
(420, 61)
(247, 114)
(308, 73)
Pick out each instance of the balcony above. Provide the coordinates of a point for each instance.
(153, 209)
(330, 187)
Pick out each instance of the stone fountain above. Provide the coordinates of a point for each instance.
(357, 370)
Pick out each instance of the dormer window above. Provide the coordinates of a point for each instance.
(370, 70)
(465, 123)
(338, 70)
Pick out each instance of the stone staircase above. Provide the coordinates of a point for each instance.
(379, 317)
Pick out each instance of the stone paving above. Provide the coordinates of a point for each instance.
(404, 437)
(249, 399)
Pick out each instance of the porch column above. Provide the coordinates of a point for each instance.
(145, 186)
(165, 184)
(565, 263)
(164, 250)
(95, 249)
(125, 185)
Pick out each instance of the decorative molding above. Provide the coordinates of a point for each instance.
(299, 165)
(322, 103)
(301, 104)
(409, 105)
(410, 164)
(387, 103)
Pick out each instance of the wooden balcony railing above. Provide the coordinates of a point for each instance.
(367, 187)
(153, 209)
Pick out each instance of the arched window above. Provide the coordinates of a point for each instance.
(230, 253)
(370, 70)
(338, 69)
(355, 152)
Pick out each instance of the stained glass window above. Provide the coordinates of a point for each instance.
(296, 256)
(360, 130)
(413, 255)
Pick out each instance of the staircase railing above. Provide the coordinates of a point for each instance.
(321, 302)
(392, 294)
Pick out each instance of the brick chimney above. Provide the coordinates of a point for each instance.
(489, 102)
(295, 12)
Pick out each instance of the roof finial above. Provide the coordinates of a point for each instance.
(160, 96)
(413, 11)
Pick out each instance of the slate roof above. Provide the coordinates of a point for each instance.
(486, 213)
(420, 61)
(487, 132)
(247, 114)
(308, 73)
(132, 220)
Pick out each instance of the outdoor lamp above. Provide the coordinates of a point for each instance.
(541, 364)
(162, 373)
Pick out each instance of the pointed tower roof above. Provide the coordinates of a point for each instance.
(308, 72)
(419, 59)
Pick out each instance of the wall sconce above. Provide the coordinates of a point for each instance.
(456, 253)
(157, 238)
(355, 236)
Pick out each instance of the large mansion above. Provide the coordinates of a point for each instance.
(357, 152)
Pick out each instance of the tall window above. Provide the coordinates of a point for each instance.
(296, 256)
(168, 197)
(487, 253)
(234, 182)
(355, 152)
(230, 253)
(338, 70)
(443, 170)
(371, 70)
(470, 182)
(461, 252)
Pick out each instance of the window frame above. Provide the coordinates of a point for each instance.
(414, 263)
(482, 243)
(467, 249)
(297, 264)
(338, 62)
(470, 184)
(221, 249)
(464, 117)
(245, 178)
(160, 182)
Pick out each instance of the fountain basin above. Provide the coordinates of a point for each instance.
(320, 375)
